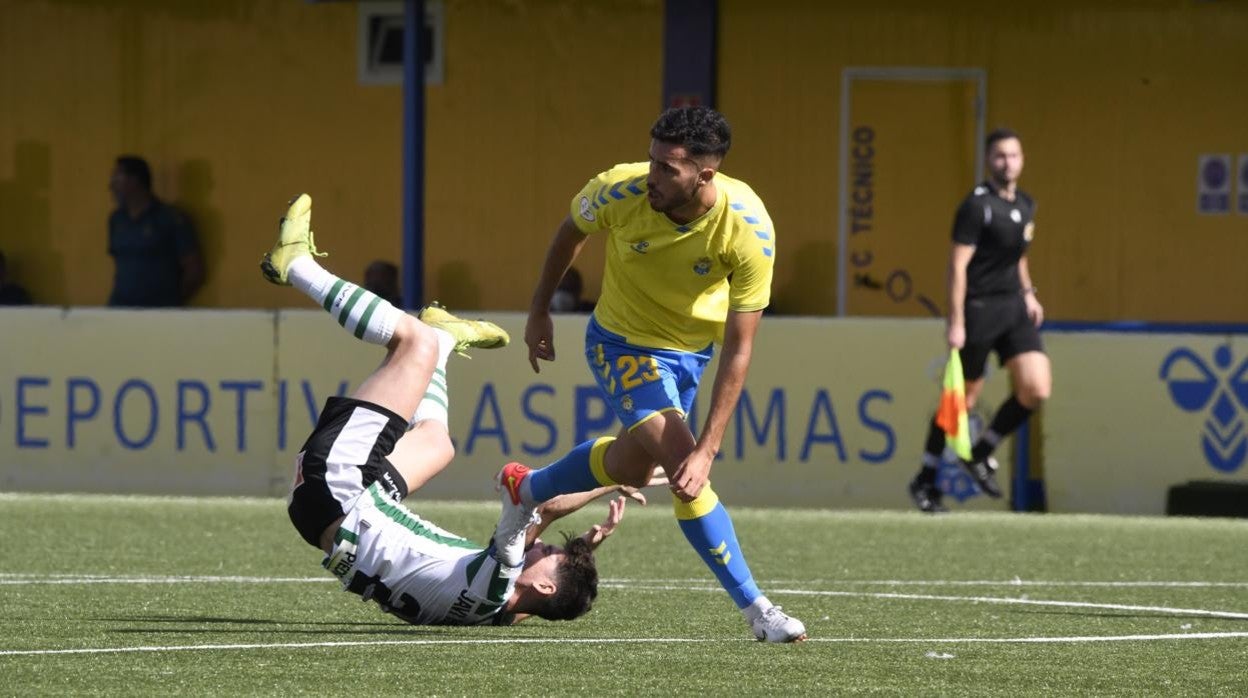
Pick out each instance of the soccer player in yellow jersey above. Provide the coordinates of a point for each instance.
(689, 264)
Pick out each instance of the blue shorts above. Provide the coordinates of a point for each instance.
(640, 382)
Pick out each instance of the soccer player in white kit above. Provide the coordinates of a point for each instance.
(370, 450)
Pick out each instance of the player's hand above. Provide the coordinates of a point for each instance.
(1035, 311)
(955, 334)
(689, 479)
(631, 493)
(658, 477)
(539, 335)
(600, 532)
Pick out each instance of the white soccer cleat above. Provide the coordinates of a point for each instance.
(517, 516)
(774, 626)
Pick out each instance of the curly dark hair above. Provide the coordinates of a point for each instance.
(577, 581)
(701, 130)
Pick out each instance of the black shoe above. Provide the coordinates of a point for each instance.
(926, 496)
(984, 473)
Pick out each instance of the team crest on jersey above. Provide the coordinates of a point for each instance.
(1016, 216)
(627, 403)
(640, 247)
(586, 212)
(703, 266)
(1029, 231)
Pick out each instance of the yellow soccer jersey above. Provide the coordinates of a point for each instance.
(670, 286)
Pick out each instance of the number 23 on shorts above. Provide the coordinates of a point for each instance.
(631, 371)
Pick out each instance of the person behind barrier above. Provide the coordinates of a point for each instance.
(153, 245)
(11, 293)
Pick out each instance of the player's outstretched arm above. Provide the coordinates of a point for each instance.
(539, 331)
(558, 507)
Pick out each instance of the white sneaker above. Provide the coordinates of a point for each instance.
(774, 626)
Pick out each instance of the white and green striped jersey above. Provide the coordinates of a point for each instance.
(416, 570)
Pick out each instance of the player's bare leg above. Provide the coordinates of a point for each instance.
(1031, 379)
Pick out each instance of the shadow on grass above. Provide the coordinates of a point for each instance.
(234, 621)
(285, 627)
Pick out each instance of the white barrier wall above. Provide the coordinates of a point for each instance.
(1135, 413)
(129, 401)
(834, 415)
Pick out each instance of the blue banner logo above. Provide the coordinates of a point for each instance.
(951, 477)
(1219, 393)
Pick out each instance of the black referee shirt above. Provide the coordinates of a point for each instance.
(1000, 230)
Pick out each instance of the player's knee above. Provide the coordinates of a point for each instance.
(973, 388)
(972, 399)
(444, 451)
(414, 337)
(405, 331)
(1033, 395)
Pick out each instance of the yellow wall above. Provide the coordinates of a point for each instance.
(1115, 100)
(240, 103)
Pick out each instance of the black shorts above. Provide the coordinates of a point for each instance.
(996, 323)
(344, 455)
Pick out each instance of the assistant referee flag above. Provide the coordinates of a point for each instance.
(951, 414)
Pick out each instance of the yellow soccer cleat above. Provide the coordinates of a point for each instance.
(294, 240)
(467, 333)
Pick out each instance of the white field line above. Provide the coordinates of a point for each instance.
(70, 578)
(617, 640)
(958, 599)
(21, 579)
(1015, 582)
(11, 579)
(1039, 640)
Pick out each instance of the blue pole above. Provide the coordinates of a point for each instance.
(689, 59)
(412, 269)
(1027, 492)
(1020, 489)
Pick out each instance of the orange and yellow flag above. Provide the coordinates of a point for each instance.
(951, 414)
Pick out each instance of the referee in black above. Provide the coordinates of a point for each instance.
(992, 307)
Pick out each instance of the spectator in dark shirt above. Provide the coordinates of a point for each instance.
(10, 293)
(567, 298)
(153, 244)
(382, 278)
